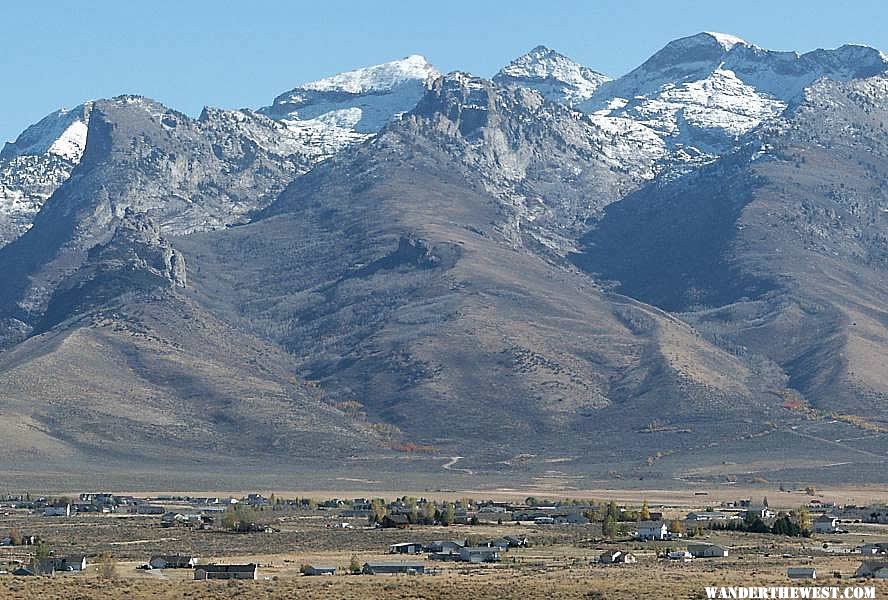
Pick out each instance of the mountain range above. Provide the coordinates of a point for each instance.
(553, 275)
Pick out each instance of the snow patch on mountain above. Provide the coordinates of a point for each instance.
(554, 75)
(726, 40)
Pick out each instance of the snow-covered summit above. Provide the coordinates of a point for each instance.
(61, 133)
(377, 78)
(707, 89)
(554, 75)
(361, 101)
(33, 166)
(726, 40)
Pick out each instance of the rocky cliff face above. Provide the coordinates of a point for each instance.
(552, 168)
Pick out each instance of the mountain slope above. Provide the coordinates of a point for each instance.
(184, 174)
(778, 250)
(389, 274)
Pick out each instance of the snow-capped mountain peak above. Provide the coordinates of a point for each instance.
(707, 89)
(377, 78)
(62, 133)
(726, 40)
(361, 102)
(554, 75)
(33, 166)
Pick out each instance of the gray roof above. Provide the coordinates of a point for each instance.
(248, 568)
(651, 524)
(394, 564)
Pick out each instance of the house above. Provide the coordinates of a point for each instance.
(652, 530)
(24, 572)
(445, 546)
(707, 550)
(319, 570)
(172, 561)
(762, 512)
(613, 557)
(479, 554)
(406, 548)
(825, 524)
(148, 509)
(571, 518)
(544, 520)
(874, 548)
(383, 568)
(57, 511)
(801, 573)
(873, 568)
(248, 571)
(708, 515)
(680, 555)
(70, 563)
(395, 521)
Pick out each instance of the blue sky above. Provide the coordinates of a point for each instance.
(241, 54)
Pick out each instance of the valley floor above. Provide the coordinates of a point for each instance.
(560, 562)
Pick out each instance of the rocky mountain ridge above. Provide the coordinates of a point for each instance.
(478, 263)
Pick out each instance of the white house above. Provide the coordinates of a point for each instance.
(172, 561)
(825, 524)
(652, 530)
(616, 556)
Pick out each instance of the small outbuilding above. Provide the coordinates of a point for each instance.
(801, 573)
